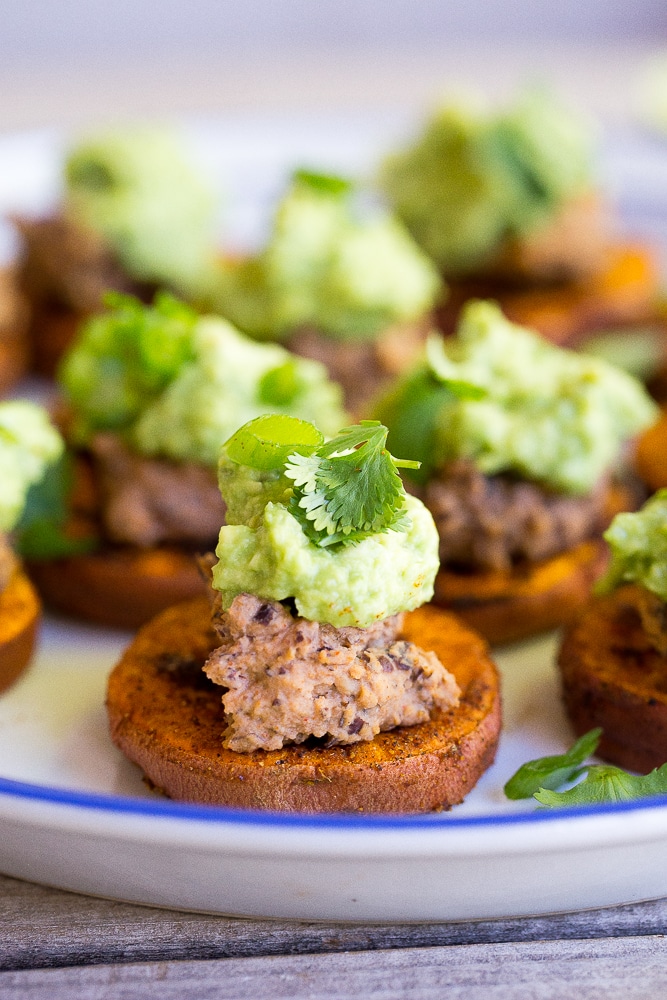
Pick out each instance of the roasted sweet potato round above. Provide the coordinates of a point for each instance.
(533, 597)
(651, 455)
(19, 618)
(124, 587)
(168, 718)
(624, 291)
(613, 678)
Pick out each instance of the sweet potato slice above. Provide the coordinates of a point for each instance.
(166, 717)
(19, 618)
(612, 677)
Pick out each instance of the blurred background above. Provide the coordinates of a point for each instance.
(77, 60)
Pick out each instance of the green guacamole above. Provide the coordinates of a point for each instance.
(177, 384)
(638, 545)
(502, 396)
(472, 180)
(28, 444)
(264, 551)
(138, 189)
(349, 272)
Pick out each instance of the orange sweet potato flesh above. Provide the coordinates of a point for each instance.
(624, 291)
(166, 719)
(123, 587)
(651, 455)
(533, 597)
(19, 619)
(613, 678)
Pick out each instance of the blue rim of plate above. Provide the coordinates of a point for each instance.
(167, 809)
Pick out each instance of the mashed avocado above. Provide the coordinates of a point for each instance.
(331, 265)
(473, 180)
(138, 189)
(638, 545)
(28, 444)
(177, 384)
(502, 396)
(264, 550)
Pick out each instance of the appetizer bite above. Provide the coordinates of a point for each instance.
(508, 207)
(520, 443)
(339, 281)
(612, 660)
(28, 444)
(316, 686)
(152, 392)
(136, 215)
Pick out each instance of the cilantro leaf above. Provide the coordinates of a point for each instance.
(349, 488)
(267, 441)
(42, 531)
(343, 490)
(605, 783)
(411, 411)
(328, 184)
(602, 782)
(415, 406)
(552, 772)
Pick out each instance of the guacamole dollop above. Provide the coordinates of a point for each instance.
(502, 396)
(139, 190)
(177, 384)
(28, 444)
(472, 180)
(331, 264)
(264, 550)
(638, 544)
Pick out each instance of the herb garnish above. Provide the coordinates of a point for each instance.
(327, 184)
(603, 783)
(344, 489)
(552, 772)
(124, 358)
(414, 407)
(42, 532)
(266, 442)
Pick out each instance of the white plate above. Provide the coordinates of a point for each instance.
(75, 814)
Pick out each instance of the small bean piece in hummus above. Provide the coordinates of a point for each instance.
(289, 678)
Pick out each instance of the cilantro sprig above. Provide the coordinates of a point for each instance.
(343, 490)
(601, 783)
(552, 772)
(414, 407)
(350, 487)
(42, 532)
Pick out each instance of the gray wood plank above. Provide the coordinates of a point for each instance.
(616, 969)
(42, 927)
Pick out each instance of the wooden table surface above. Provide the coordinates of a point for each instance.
(57, 945)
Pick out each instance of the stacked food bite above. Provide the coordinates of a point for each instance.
(521, 445)
(509, 206)
(152, 392)
(28, 445)
(137, 214)
(332, 698)
(340, 281)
